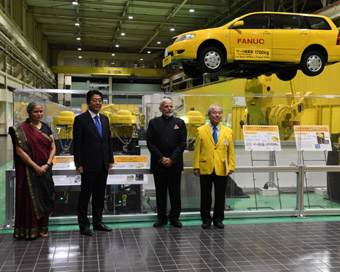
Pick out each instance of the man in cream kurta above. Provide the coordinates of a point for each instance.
(214, 160)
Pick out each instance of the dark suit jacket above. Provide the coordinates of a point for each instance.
(166, 138)
(90, 150)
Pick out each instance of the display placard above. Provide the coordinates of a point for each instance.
(261, 138)
(312, 138)
(129, 162)
(63, 162)
(252, 54)
(121, 162)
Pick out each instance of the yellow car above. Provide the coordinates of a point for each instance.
(258, 43)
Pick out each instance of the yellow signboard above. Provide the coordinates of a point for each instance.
(260, 128)
(119, 159)
(167, 61)
(62, 159)
(252, 54)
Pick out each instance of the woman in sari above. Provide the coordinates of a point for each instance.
(34, 149)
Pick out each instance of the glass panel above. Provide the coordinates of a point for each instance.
(264, 101)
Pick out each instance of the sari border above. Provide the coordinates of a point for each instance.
(45, 135)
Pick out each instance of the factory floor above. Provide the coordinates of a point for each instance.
(252, 244)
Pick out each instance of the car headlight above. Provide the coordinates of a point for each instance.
(185, 37)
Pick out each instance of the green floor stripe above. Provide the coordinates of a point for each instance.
(3, 190)
(186, 223)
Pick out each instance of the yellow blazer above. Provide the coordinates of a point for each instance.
(207, 156)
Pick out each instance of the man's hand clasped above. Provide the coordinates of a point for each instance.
(167, 162)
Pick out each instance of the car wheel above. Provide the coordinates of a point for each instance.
(192, 71)
(312, 63)
(211, 59)
(286, 75)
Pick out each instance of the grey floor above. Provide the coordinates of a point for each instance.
(303, 246)
(250, 247)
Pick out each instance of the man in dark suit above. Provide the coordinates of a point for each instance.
(93, 157)
(166, 141)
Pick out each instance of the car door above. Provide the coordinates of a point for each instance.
(290, 37)
(252, 41)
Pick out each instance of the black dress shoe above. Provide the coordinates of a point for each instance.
(86, 232)
(160, 223)
(101, 227)
(176, 223)
(219, 225)
(206, 225)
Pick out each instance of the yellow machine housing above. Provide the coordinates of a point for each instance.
(63, 125)
(193, 120)
(123, 124)
(263, 108)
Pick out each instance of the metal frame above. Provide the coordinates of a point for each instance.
(272, 162)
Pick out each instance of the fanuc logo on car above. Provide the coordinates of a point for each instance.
(250, 41)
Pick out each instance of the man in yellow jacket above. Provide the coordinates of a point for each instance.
(214, 160)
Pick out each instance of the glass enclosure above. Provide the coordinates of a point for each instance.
(274, 135)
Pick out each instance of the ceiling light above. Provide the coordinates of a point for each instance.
(149, 52)
(74, 3)
(117, 45)
(191, 10)
(113, 54)
(76, 24)
(80, 57)
(159, 42)
(123, 33)
(112, 63)
(141, 59)
(172, 29)
(78, 39)
(130, 17)
(79, 48)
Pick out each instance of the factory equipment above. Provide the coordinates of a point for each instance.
(265, 109)
(141, 132)
(124, 136)
(66, 197)
(193, 120)
(63, 127)
(124, 198)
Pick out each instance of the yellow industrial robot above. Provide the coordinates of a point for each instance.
(263, 108)
(63, 127)
(125, 198)
(193, 120)
(124, 133)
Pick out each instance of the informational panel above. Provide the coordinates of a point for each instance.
(63, 162)
(129, 162)
(121, 162)
(312, 138)
(261, 138)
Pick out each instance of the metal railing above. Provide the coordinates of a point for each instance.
(299, 210)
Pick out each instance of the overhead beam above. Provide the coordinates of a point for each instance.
(172, 14)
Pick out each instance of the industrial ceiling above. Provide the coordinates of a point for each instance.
(140, 27)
